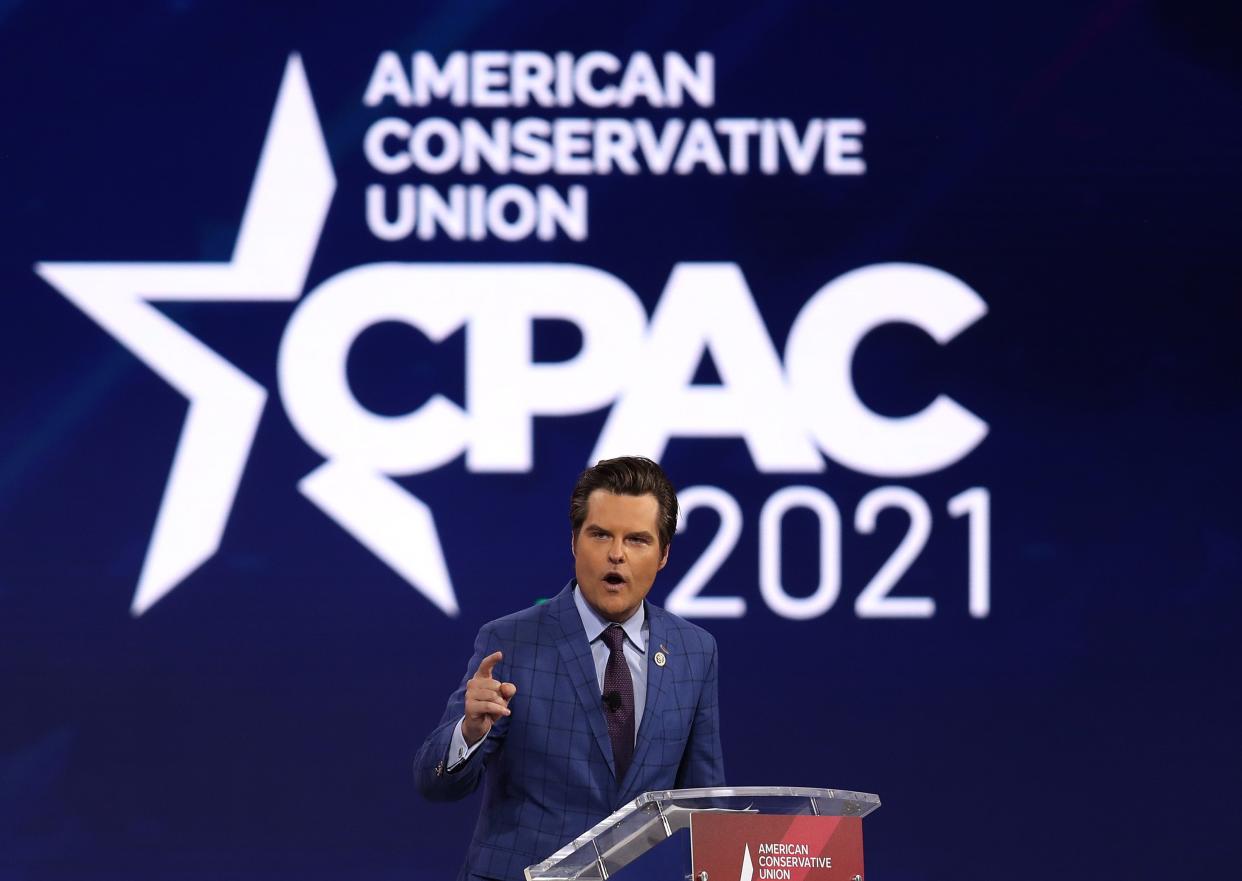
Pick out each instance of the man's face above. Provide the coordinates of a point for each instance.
(617, 552)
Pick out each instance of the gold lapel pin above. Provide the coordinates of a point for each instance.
(661, 659)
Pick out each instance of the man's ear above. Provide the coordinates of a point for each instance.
(664, 558)
(573, 545)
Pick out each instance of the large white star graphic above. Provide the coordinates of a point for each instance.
(284, 215)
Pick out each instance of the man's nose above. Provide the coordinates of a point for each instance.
(616, 552)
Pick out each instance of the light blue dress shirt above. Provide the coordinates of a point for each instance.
(636, 632)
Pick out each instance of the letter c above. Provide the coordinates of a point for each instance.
(312, 376)
(820, 353)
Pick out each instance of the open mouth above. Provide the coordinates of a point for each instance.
(614, 578)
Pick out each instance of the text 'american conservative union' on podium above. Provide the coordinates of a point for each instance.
(750, 833)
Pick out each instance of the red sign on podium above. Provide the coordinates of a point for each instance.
(767, 847)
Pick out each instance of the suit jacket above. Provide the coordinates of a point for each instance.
(547, 770)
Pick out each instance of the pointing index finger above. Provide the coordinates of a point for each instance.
(485, 667)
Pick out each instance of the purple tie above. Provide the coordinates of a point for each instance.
(619, 700)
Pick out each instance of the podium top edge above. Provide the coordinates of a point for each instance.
(756, 792)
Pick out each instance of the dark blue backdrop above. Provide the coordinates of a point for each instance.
(1077, 165)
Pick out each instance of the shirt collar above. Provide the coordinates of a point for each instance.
(594, 625)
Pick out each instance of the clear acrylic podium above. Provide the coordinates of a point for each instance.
(651, 819)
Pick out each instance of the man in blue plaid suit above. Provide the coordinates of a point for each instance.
(574, 707)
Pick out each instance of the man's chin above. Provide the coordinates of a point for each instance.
(620, 610)
(612, 604)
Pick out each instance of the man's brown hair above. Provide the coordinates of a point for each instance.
(627, 476)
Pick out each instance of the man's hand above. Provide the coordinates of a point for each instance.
(486, 700)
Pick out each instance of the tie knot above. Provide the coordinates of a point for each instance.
(614, 637)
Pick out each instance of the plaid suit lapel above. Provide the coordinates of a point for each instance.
(657, 696)
(576, 655)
